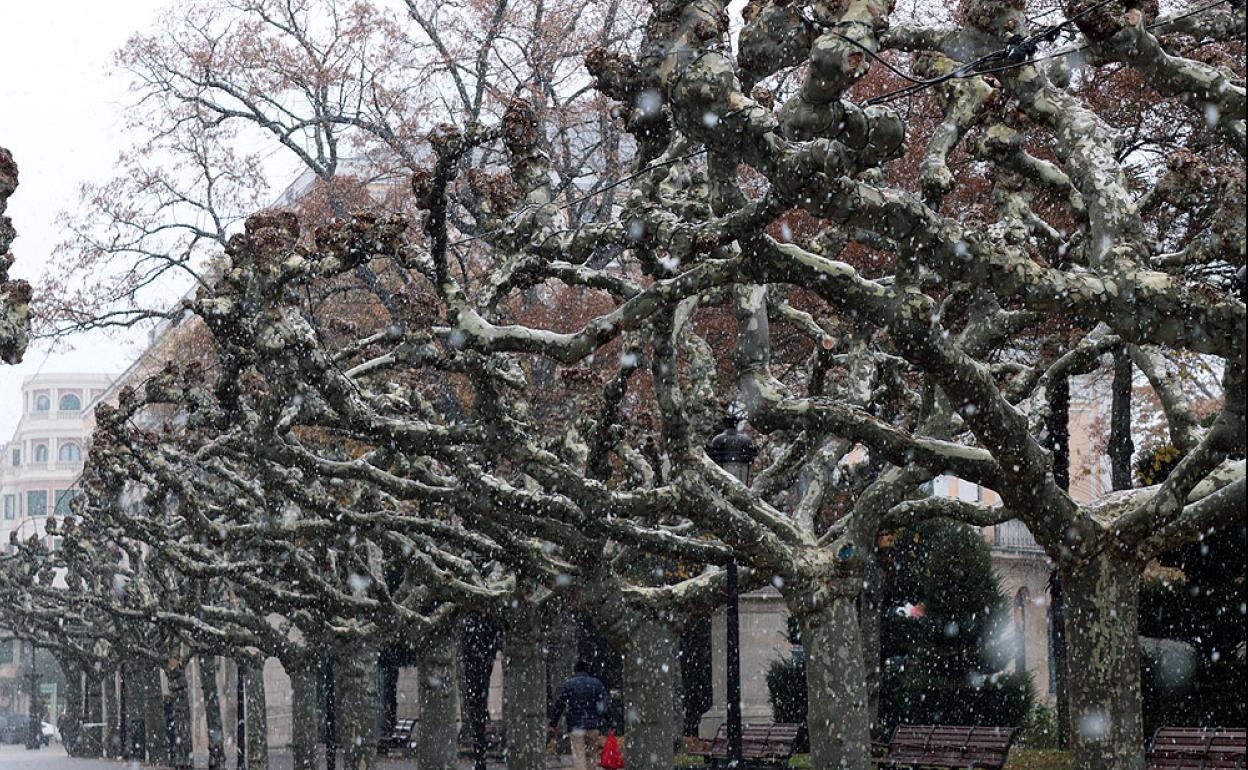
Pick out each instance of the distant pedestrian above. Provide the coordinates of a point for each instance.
(586, 703)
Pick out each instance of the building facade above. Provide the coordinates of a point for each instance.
(39, 468)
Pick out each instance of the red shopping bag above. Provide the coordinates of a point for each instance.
(612, 758)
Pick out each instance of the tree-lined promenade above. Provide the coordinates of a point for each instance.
(888, 239)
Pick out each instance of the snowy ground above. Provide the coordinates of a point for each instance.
(53, 758)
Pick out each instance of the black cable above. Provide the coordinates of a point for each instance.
(1019, 52)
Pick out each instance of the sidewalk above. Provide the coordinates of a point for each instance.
(54, 758)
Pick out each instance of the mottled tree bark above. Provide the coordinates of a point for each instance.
(153, 716)
(478, 649)
(303, 737)
(436, 739)
(207, 665)
(71, 726)
(357, 707)
(92, 737)
(180, 698)
(255, 709)
(113, 739)
(649, 669)
(869, 610)
(840, 730)
(524, 666)
(1102, 625)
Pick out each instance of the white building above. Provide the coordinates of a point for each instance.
(39, 468)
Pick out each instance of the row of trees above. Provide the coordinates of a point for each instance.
(490, 397)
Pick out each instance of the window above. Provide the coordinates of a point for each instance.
(69, 453)
(17, 457)
(70, 403)
(41, 453)
(37, 503)
(43, 404)
(63, 499)
(6, 651)
(10, 506)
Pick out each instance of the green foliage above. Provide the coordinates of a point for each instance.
(1039, 728)
(786, 686)
(939, 668)
(1197, 600)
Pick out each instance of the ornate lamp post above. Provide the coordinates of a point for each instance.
(734, 452)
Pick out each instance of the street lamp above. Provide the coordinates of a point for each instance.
(734, 452)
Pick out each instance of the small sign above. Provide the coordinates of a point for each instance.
(47, 688)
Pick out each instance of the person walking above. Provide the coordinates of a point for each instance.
(585, 702)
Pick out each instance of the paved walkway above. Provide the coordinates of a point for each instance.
(54, 758)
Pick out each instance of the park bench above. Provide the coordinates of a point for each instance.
(951, 746)
(399, 737)
(767, 743)
(1196, 748)
(495, 739)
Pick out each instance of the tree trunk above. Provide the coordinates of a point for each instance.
(869, 610)
(357, 707)
(478, 647)
(34, 711)
(154, 716)
(1102, 634)
(180, 699)
(212, 711)
(255, 715)
(92, 737)
(303, 733)
(649, 667)
(524, 666)
(840, 730)
(436, 745)
(113, 741)
(71, 726)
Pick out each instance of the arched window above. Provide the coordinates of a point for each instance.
(1021, 600)
(69, 453)
(43, 404)
(41, 453)
(70, 403)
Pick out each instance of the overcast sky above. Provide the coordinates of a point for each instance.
(60, 115)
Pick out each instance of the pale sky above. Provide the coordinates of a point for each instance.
(60, 115)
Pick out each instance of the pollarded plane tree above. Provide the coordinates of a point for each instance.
(525, 492)
(277, 562)
(141, 611)
(53, 602)
(14, 294)
(821, 153)
(698, 235)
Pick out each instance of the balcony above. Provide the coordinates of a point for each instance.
(1013, 535)
(60, 414)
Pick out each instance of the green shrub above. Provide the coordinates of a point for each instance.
(1039, 729)
(786, 687)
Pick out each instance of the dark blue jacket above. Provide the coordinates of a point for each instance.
(586, 702)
